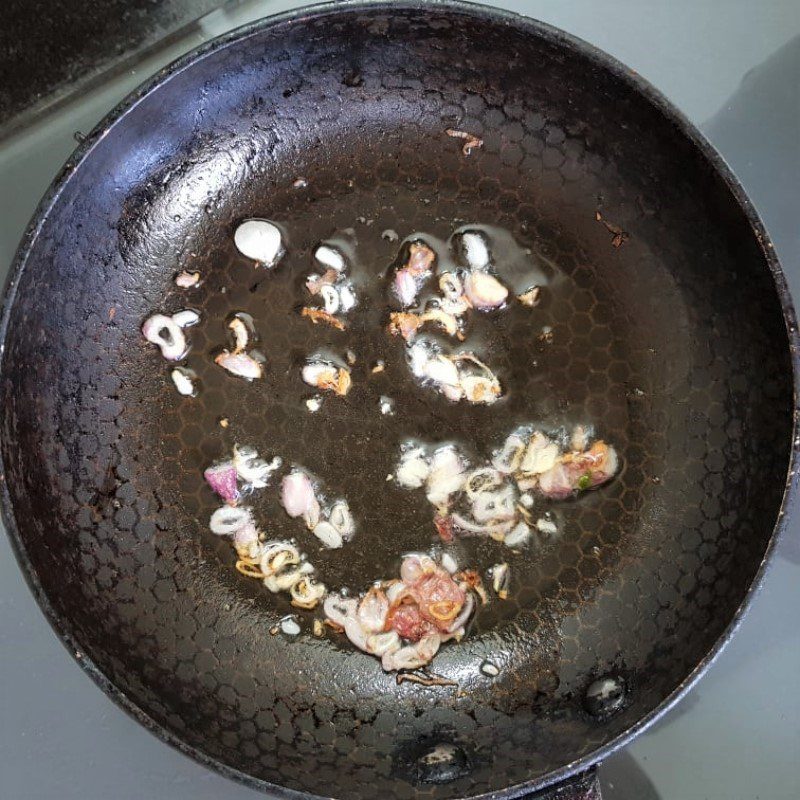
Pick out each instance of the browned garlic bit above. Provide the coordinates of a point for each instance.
(493, 500)
(409, 278)
(531, 297)
(453, 301)
(249, 366)
(407, 323)
(471, 141)
(333, 288)
(317, 315)
(327, 376)
(478, 382)
(556, 472)
(241, 334)
(461, 376)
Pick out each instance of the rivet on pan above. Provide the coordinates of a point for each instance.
(443, 763)
(605, 696)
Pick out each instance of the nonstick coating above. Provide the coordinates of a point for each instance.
(673, 344)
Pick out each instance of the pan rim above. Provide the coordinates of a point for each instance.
(526, 25)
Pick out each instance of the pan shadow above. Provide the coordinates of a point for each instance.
(621, 778)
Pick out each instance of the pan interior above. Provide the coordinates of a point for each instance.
(672, 345)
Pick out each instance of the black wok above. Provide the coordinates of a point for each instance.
(672, 332)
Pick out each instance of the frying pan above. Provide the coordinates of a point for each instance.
(672, 333)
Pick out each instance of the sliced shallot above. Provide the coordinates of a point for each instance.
(326, 375)
(495, 506)
(379, 644)
(240, 364)
(284, 580)
(413, 656)
(328, 535)
(252, 469)
(278, 555)
(446, 475)
(330, 257)
(540, 455)
(508, 459)
(450, 286)
(449, 563)
(501, 580)
(227, 520)
(241, 334)
(187, 280)
(297, 493)
(476, 251)
(405, 287)
(163, 331)
(496, 530)
(355, 633)
(342, 519)
(415, 566)
(484, 291)
(245, 539)
(338, 608)
(372, 610)
(307, 592)
(222, 479)
(413, 469)
(186, 318)
(518, 535)
(463, 616)
(184, 381)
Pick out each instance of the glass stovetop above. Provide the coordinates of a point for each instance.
(734, 68)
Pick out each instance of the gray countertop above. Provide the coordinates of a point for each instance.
(732, 66)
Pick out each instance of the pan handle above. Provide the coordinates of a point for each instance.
(584, 786)
(441, 762)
